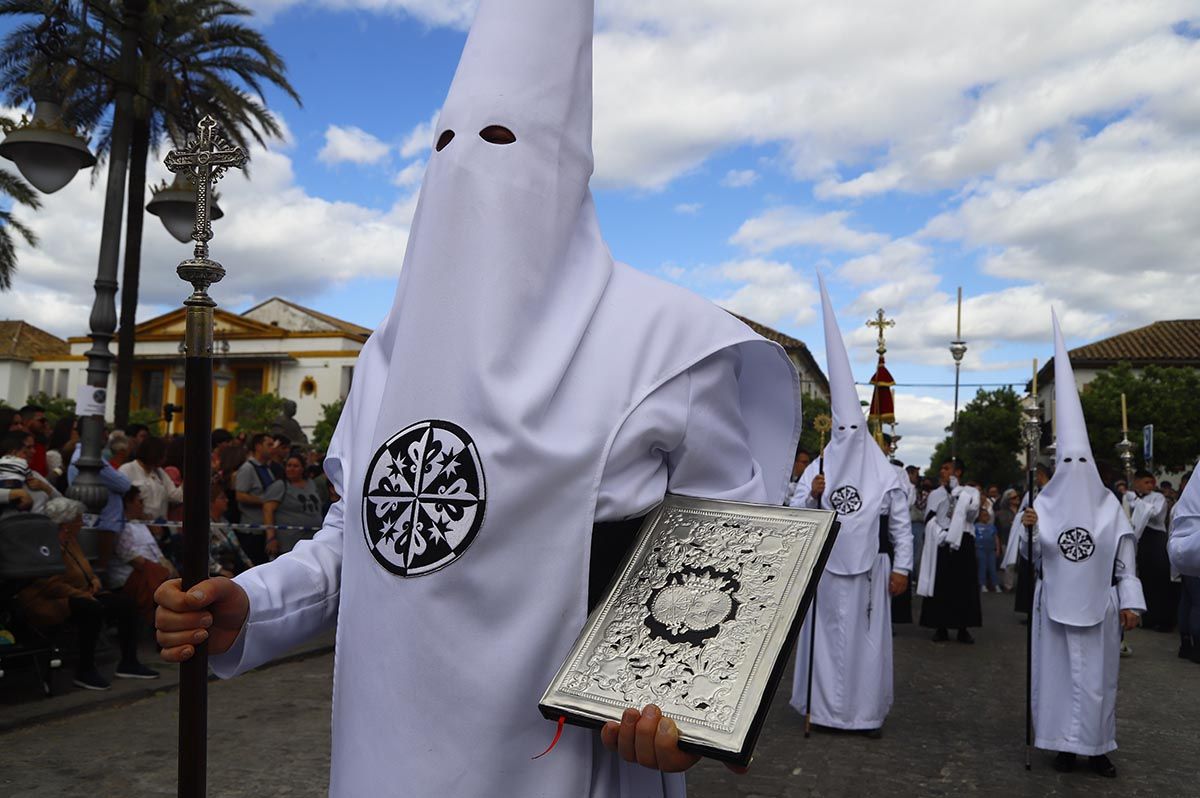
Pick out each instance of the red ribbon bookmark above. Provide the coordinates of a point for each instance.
(562, 719)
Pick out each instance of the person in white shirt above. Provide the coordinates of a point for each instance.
(949, 575)
(1148, 511)
(145, 472)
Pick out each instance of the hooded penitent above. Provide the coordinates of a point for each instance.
(478, 428)
(1079, 520)
(858, 476)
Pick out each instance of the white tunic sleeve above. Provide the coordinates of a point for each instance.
(1146, 509)
(1183, 546)
(687, 437)
(1129, 587)
(900, 531)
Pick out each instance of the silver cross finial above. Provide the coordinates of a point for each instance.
(205, 159)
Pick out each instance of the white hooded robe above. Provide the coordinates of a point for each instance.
(1085, 550)
(852, 669)
(523, 387)
(1184, 544)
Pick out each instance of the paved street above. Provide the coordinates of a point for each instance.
(956, 729)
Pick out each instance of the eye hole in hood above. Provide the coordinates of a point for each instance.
(444, 139)
(497, 134)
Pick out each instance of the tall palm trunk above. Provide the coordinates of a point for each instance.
(139, 153)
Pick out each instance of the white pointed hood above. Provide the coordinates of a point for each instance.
(857, 474)
(474, 440)
(1079, 520)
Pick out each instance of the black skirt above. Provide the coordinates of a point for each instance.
(1023, 594)
(955, 600)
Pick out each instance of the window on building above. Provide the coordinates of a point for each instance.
(48, 382)
(347, 378)
(35, 381)
(247, 379)
(152, 390)
(64, 376)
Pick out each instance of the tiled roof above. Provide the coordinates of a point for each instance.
(20, 340)
(1163, 343)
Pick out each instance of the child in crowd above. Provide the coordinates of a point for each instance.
(15, 473)
(987, 545)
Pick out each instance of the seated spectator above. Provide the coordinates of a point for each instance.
(138, 565)
(145, 472)
(15, 471)
(225, 554)
(76, 597)
(293, 501)
(36, 425)
(63, 440)
(117, 450)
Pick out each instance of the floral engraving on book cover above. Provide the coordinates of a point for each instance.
(684, 632)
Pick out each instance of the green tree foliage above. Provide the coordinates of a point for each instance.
(13, 191)
(151, 418)
(989, 438)
(56, 407)
(810, 439)
(323, 432)
(1168, 398)
(256, 412)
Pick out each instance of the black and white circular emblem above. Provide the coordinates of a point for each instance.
(1076, 544)
(845, 500)
(423, 499)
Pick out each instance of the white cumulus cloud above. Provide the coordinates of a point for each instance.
(351, 145)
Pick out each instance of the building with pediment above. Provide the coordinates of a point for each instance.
(275, 347)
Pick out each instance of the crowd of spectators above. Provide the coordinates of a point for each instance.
(266, 496)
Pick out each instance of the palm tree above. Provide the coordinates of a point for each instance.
(196, 58)
(21, 193)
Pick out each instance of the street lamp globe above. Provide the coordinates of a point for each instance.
(222, 376)
(46, 151)
(175, 205)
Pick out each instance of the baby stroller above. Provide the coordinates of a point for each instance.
(29, 550)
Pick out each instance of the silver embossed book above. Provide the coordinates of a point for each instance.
(699, 620)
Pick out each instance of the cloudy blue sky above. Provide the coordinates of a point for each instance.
(1033, 153)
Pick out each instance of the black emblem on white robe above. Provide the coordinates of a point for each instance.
(1076, 544)
(846, 500)
(423, 499)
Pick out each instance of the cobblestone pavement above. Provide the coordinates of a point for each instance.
(956, 729)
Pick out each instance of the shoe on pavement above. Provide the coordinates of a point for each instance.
(964, 636)
(1064, 762)
(135, 670)
(91, 680)
(1103, 766)
(1126, 651)
(941, 636)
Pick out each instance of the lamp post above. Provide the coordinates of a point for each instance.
(48, 152)
(205, 159)
(958, 348)
(1031, 436)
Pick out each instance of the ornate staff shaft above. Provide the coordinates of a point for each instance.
(205, 158)
(1031, 433)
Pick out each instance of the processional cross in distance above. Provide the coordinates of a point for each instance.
(881, 322)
